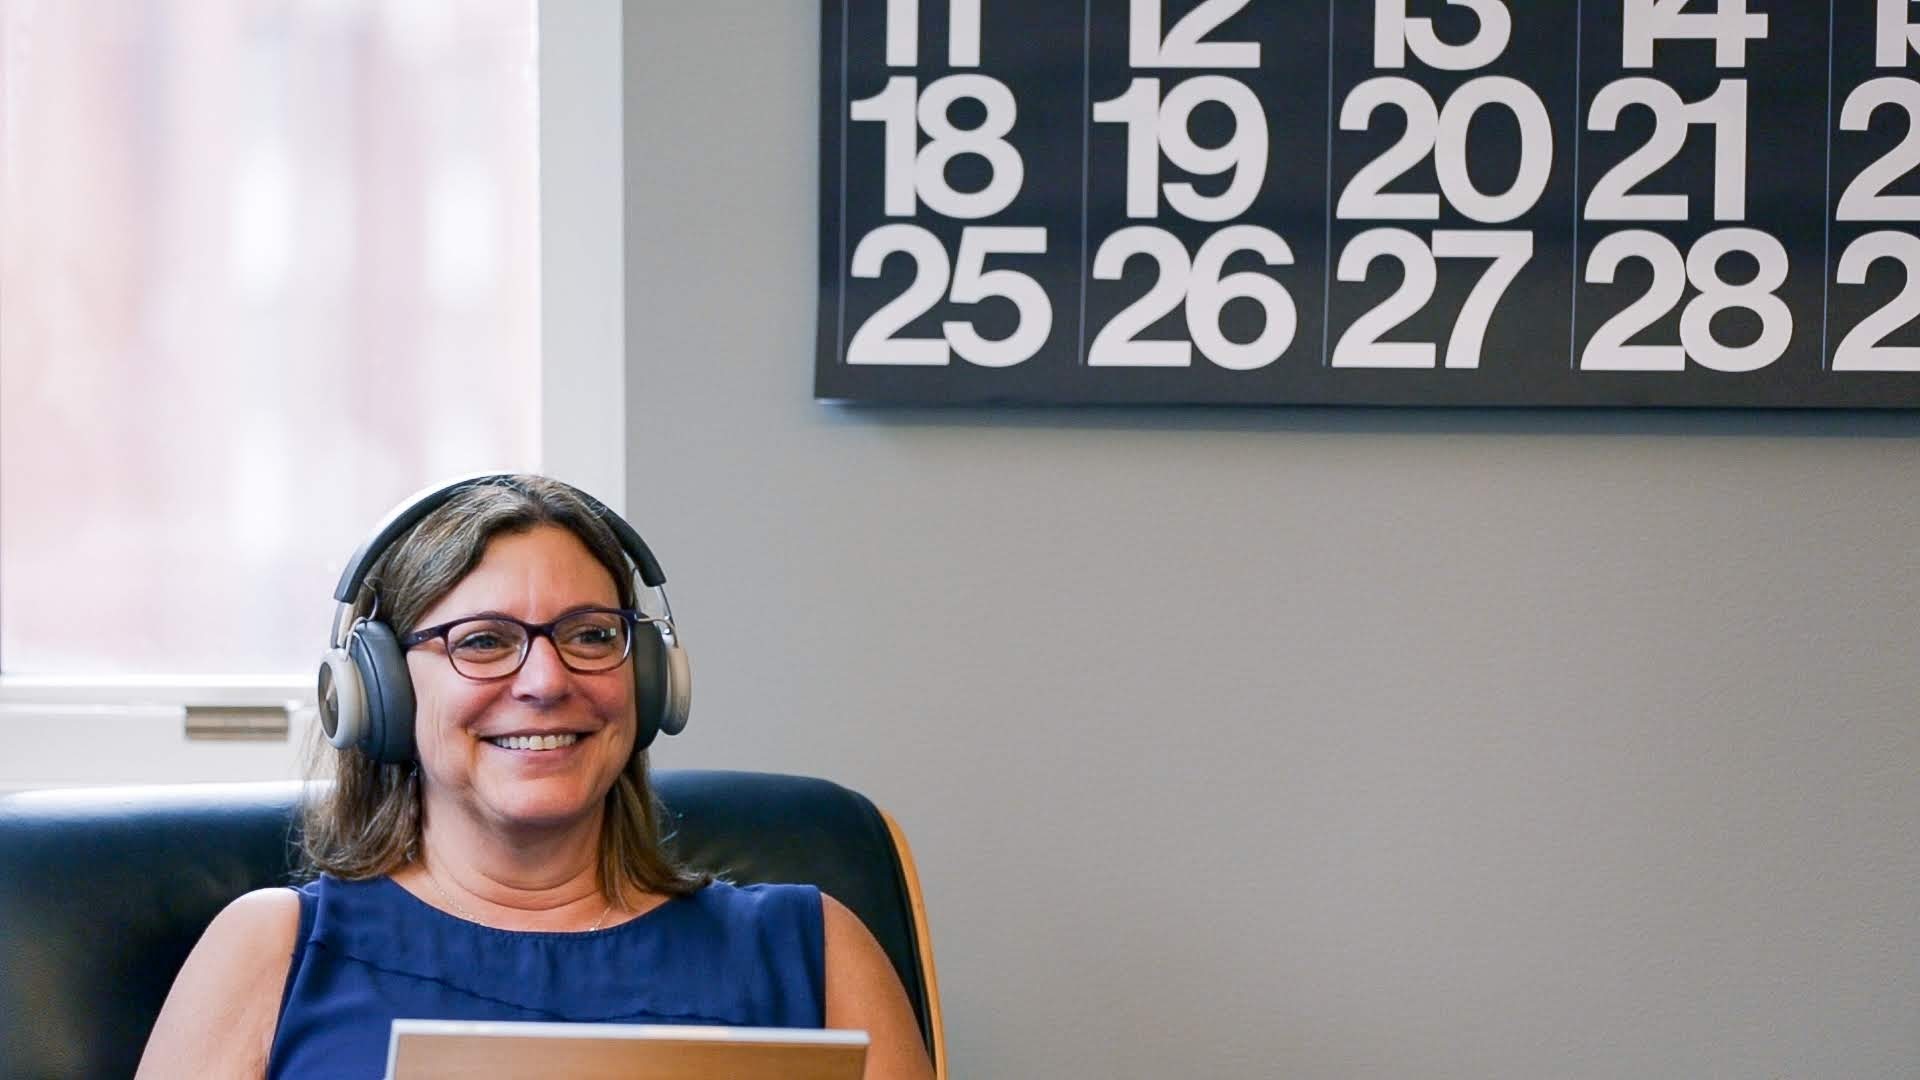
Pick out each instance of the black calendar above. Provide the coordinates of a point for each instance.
(1403, 202)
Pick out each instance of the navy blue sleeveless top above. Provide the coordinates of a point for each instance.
(369, 952)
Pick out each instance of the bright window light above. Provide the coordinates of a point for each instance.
(266, 266)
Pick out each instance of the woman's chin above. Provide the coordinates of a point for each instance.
(548, 802)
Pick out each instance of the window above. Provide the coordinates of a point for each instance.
(363, 413)
(266, 266)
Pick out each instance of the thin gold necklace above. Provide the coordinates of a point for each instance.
(472, 918)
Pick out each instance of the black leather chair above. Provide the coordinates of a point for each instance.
(103, 892)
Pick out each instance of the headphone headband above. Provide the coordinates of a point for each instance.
(427, 500)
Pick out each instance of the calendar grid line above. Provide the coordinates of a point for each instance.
(1086, 167)
(1573, 293)
(1326, 261)
(1826, 206)
(846, 22)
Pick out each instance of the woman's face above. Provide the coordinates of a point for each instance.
(535, 576)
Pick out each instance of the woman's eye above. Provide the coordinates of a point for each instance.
(481, 641)
(594, 635)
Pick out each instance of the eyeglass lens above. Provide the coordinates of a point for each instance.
(588, 641)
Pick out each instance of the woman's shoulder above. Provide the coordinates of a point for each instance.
(770, 913)
(756, 902)
(720, 891)
(219, 1016)
(262, 917)
(251, 940)
(764, 900)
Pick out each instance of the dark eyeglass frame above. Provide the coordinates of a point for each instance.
(634, 620)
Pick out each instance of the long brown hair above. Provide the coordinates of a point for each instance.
(368, 823)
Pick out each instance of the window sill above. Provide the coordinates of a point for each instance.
(118, 692)
(85, 732)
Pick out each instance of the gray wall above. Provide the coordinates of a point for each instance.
(1284, 742)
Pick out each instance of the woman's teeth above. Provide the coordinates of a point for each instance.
(535, 742)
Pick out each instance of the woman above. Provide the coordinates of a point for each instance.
(512, 869)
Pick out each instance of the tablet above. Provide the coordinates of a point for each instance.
(498, 1050)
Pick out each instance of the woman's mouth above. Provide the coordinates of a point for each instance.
(535, 742)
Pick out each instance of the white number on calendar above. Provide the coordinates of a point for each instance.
(1155, 127)
(876, 341)
(1394, 33)
(1184, 46)
(1861, 350)
(963, 33)
(1864, 199)
(1443, 132)
(1360, 346)
(1608, 350)
(1200, 284)
(1725, 111)
(920, 175)
(1893, 35)
(1729, 27)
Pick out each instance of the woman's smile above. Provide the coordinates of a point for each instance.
(545, 751)
(534, 742)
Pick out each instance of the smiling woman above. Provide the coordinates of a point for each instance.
(465, 719)
(490, 846)
(459, 561)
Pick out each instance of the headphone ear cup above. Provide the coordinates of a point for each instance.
(649, 686)
(342, 700)
(388, 689)
(673, 717)
(662, 684)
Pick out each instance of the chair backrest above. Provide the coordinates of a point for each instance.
(104, 891)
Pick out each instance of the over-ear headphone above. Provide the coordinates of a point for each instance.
(366, 695)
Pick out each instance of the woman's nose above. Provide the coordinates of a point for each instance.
(543, 676)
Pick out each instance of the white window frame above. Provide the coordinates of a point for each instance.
(582, 341)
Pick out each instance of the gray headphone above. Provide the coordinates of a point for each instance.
(366, 695)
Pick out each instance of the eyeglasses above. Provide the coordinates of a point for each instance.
(495, 646)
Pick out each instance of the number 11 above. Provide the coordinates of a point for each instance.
(963, 33)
